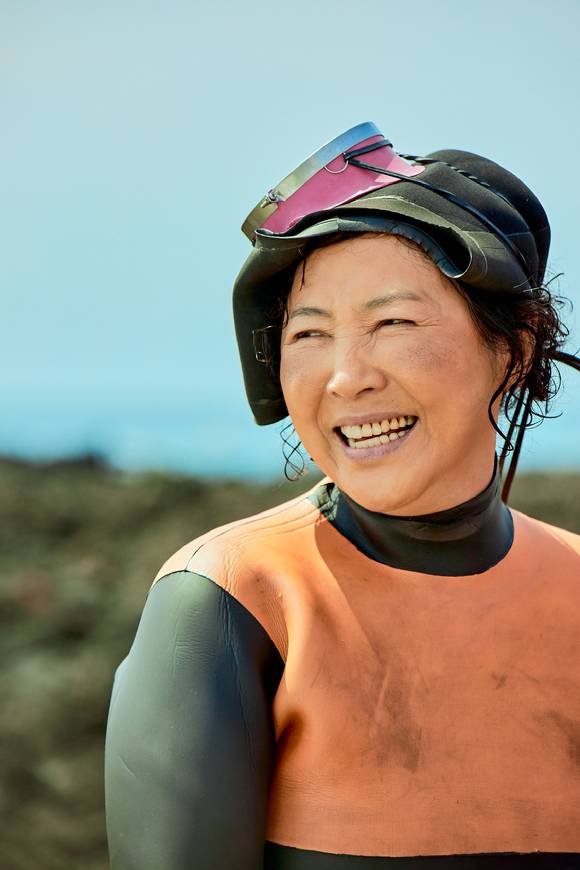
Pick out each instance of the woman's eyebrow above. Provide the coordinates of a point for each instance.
(371, 305)
(309, 311)
(380, 301)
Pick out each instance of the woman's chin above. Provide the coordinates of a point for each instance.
(379, 478)
(385, 490)
(379, 503)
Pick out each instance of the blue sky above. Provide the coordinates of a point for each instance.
(135, 138)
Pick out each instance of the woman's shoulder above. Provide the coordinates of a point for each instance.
(245, 537)
(545, 536)
(246, 558)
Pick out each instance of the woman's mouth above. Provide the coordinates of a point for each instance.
(380, 432)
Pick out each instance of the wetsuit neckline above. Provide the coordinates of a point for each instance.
(467, 539)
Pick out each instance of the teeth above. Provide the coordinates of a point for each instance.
(377, 441)
(375, 434)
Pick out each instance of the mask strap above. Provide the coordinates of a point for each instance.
(426, 161)
(517, 447)
(558, 356)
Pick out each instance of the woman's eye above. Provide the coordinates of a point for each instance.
(392, 322)
(307, 333)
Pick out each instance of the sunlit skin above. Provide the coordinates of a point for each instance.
(376, 331)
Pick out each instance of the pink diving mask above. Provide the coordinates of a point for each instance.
(327, 179)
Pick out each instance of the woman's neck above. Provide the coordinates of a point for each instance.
(467, 539)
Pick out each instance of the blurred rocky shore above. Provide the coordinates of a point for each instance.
(80, 545)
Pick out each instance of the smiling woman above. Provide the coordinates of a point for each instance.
(375, 333)
(382, 674)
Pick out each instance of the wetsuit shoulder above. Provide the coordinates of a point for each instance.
(245, 559)
(543, 537)
(191, 747)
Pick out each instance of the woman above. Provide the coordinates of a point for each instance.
(383, 673)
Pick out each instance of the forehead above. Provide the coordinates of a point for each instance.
(351, 271)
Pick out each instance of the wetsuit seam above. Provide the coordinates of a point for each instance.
(239, 524)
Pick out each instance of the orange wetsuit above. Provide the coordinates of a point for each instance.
(355, 691)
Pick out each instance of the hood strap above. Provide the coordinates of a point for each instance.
(457, 201)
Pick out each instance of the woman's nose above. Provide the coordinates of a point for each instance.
(354, 371)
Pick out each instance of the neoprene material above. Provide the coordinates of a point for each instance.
(346, 710)
(190, 741)
(481, 532)
(285, 858)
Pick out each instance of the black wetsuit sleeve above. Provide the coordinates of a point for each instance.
(190, 741)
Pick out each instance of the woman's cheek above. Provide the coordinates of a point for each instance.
(300, 372)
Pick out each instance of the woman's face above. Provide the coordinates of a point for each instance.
(377, 337)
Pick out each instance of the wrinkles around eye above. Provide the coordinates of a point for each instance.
(305, 334)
